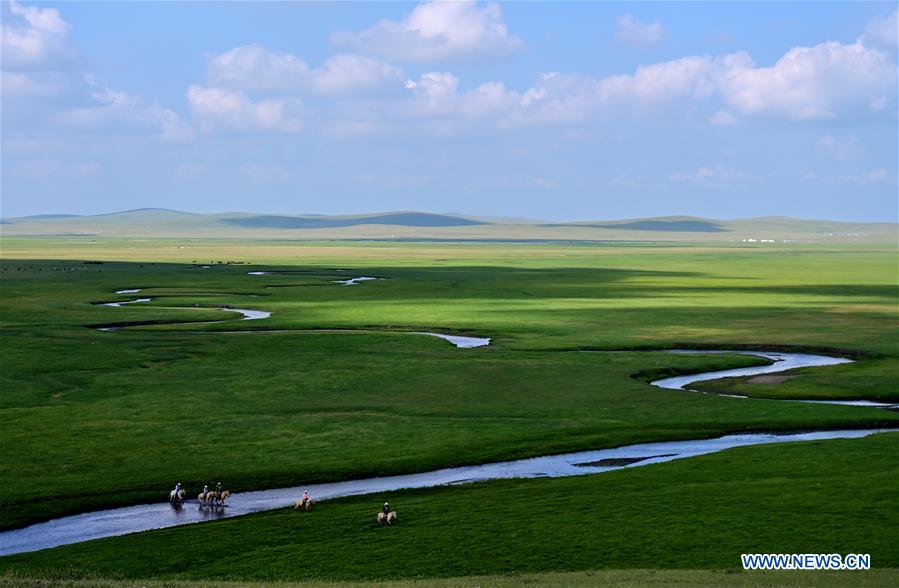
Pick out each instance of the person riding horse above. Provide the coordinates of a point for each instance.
(386, 509)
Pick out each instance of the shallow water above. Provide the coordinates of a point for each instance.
(131, 291)
(354, 281)
(124, 302)
(460, 341)
(781, 361)
(250, 315)
(144, 517)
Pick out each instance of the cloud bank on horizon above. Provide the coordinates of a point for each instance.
(541, 110)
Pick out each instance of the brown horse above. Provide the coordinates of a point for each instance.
(388, 518)
(304, 504)
(208, 498)
(222, 496)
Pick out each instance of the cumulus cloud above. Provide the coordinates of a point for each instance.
(223, 110)
(437, 94)
(437, 31)
(254, 68)
(122, 113)
(882, 32)
(633, 32)
(826, 81)
(34, 38)
(717, 177)
(33, 43)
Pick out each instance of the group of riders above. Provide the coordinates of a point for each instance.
(207, 497)
(219, 494)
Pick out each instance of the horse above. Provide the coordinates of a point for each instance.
(304, 504)
(176, 498)
(207, 498)
(388, 518)
(220, 497)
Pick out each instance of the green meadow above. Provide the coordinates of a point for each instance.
(334, 385)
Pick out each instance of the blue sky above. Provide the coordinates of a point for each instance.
(558, 111)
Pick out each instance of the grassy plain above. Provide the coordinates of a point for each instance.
(94, 419)
(881, 578)
(702, 513)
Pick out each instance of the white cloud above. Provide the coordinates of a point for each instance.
(808, 83)
(717, 177)
(846, 149)
(253, 68)
(123, 113)
(266, 173)
(437, 94)
(34, 38)
(827, 81)
(220, 109)
(882, 32)
(437, 31)
(345, 74)
(15, 84)
(633, 32)
(875, 176)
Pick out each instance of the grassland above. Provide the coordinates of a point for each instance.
(883, 578)
(702, 513)
(94, 419)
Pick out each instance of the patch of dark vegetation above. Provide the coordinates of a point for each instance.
(682, 226)
(409, 219)
(617, 462)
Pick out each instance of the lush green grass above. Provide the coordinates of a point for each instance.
(872, 380)
(837, 496)
(94, 419)
(886, 578)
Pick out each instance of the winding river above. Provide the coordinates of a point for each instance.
(120, 521)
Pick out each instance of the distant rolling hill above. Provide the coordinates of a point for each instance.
(411, 225)
(403, 219)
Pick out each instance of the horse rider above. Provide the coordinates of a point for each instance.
(176, 493)
(218, 488)
(205, 489)
(386, 509)
(306, 498)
